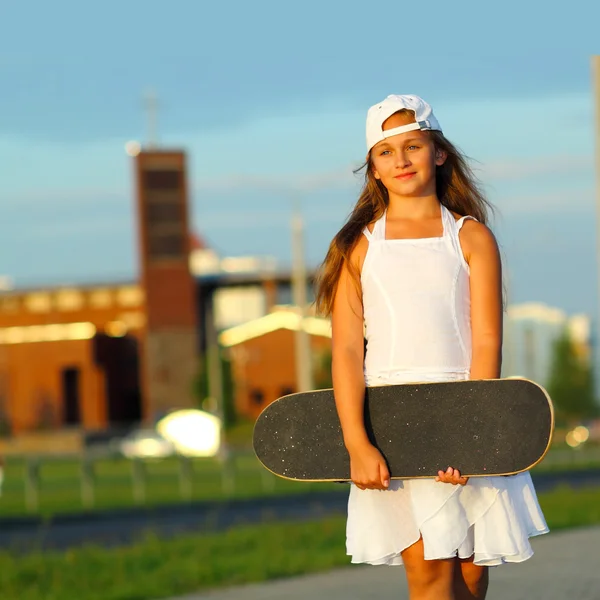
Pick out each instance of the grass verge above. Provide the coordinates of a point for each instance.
(155, 568)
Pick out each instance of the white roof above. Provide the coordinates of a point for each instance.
(272, 322)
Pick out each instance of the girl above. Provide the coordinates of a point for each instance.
(415, 273)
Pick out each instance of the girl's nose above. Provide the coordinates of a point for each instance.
(402, 160)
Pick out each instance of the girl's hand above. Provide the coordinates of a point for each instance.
(368, 468)
(451, 476)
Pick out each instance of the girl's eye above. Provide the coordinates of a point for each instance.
(413, 147)
(385, 152)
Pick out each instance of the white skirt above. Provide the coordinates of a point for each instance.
(490, 518)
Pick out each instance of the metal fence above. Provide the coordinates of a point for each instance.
(49, 485)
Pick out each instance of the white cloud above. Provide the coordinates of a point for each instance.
(77, 226)
(247, 219)
(511, 169)
(579, 201)
(65, 197)
(342, 178)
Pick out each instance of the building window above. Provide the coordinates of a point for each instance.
(115, 328)
(257, 397)
(284, 294)
(101, 298)
(38, 303)
(133, 320)
(69, 300)
(237, 305)
(71, 395)
(130, 296)
(9, 304)
(51, 332)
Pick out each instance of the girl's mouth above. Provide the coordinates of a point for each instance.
(404, 176)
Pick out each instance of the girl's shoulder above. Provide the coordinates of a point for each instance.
(476, 238)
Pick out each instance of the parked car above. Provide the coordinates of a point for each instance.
(145, 443)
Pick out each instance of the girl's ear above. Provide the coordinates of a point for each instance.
(375, 173)
(440, 156)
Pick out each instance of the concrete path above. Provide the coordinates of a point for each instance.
(565, 566)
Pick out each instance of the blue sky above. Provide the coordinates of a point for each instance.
(269, 99)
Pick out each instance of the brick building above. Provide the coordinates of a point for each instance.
(262, 354)
(60, 346)
(71, 356)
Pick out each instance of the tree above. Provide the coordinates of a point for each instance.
(201, 387)
(571, 383)
(322, 369)
(5, 424)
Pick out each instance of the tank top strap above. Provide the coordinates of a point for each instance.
(462, 220)
(447, 223)
(379, 227)
(368, 234)
(378, 232)
(452, 229)
(452, 226)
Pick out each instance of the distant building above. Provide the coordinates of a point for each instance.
(204, 260)
(530, 331)
(262, 354)
(70, 356)
(116, 354)
(235, 304)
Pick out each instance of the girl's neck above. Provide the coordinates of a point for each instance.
(414, 208)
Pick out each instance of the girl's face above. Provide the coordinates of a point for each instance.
(406, 163)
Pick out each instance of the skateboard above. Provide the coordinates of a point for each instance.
(480, 427)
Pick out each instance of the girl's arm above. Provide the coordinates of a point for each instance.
(368, 469)
(481, 253)
(348, 354)
(483, 257)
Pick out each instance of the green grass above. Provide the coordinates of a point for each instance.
(566, 507)
(160, 569)
(156, 569)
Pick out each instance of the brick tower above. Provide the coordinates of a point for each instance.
(170, 347)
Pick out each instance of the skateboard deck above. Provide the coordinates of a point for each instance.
(480, 427)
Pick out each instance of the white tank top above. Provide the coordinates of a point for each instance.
(416, 301)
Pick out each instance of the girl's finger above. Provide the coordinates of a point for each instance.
(385, 475)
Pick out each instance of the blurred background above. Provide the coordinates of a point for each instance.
(172, 176)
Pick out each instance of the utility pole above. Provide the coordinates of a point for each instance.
(596, 100)
(304, 378)
(529, 339)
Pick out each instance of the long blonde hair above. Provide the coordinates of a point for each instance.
(456, 187)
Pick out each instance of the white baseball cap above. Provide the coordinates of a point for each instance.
(381, 111)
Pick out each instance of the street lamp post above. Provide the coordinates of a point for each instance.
(304, 378)
(596, 100)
